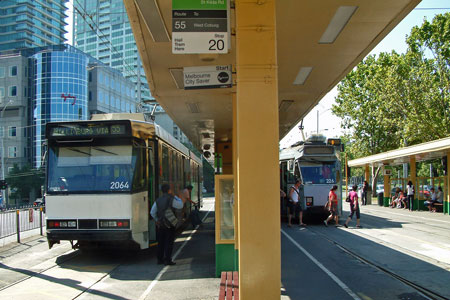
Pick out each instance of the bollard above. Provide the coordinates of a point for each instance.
(40, 219)
(18, 225)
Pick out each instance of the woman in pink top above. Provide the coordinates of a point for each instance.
(332, 206)
(354, 207)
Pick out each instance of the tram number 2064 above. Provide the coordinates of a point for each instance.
(119, 185)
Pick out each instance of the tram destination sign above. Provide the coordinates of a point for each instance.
(76, 130)
(207, 77)
(200, 26)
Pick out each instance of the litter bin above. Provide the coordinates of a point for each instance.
(380, 199)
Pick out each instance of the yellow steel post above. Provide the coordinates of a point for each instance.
(413, 178)
(367, 178)
(257, 151)
(387, 188)
(235, 173)
(367, 173)
(446, 208)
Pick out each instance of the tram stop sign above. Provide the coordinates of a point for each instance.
(200, 26)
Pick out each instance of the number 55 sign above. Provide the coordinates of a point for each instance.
(199, 26)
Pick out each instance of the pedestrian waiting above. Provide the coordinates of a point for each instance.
(332, 206)
(162, 212)
(354, 207)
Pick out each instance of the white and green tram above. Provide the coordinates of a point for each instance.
(317, 163)
(103, 175)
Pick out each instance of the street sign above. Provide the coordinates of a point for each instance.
(200, 26)
(207, 77)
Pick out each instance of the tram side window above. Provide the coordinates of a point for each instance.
(139, 180)
(165, 165)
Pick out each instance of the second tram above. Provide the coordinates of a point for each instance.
(103, 176)
(317, 163)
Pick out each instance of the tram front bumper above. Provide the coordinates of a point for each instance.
(88, 235)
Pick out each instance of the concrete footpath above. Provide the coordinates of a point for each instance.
(193, 277)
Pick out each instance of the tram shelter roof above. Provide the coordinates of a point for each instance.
(205, 115)
(422, 152)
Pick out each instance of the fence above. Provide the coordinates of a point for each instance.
(13, 222)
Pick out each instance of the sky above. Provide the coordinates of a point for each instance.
(329, 124)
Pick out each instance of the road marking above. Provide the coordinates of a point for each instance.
(161, 273)
(321, 266)
(407, 216)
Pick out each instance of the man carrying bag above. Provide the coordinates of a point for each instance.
(162, 212)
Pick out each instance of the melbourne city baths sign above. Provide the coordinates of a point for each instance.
(207, 77)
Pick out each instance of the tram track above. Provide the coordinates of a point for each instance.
(427, 293)
(71, 255)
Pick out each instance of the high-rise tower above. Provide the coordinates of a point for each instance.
(102, 30)
(27, 24)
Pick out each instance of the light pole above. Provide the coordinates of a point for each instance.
(2, 145)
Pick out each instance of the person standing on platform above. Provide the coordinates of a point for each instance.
(186, 195)
(354, 207)
(410, 195)
(296, 199)
(332, 206)
(165, 232)
(365, 190)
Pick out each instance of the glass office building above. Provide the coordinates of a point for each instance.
(27, 24)
(102, 30)
(60, 83)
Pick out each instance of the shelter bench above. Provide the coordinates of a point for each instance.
(229, 286)
(437, 207)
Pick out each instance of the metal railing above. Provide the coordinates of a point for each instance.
(13, 222)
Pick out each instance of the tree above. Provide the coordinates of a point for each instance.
(23, 180)
(396, 100)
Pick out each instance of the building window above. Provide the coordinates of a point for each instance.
(12, 91)
(2, 92)
(2, 72)
(13, 71)
(12, 131)
(90, 96)
(12, 152)
(90, 76)
(1, 132)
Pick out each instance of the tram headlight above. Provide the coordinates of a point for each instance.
(115, 224)
(57, 224)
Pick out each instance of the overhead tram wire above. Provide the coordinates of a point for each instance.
(102, 38)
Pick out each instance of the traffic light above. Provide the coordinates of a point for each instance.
(3, 185)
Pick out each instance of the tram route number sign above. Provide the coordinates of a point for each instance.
(93, 130)
(200, 26)
(207, 77)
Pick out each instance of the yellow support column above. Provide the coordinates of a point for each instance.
(446, 208)
(236, 183)
(367, 174)
(367, 178)
(387, 188)
(257, 150)
(413, 178)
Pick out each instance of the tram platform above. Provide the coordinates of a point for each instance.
(412, 245)
(193, 276)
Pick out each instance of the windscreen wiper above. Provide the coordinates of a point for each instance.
(105, 151)
(79, 151)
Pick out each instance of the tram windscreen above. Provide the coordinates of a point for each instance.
(93, 168)
(318, 173)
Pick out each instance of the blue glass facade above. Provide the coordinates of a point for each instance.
(26, 24)
(61, 92)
